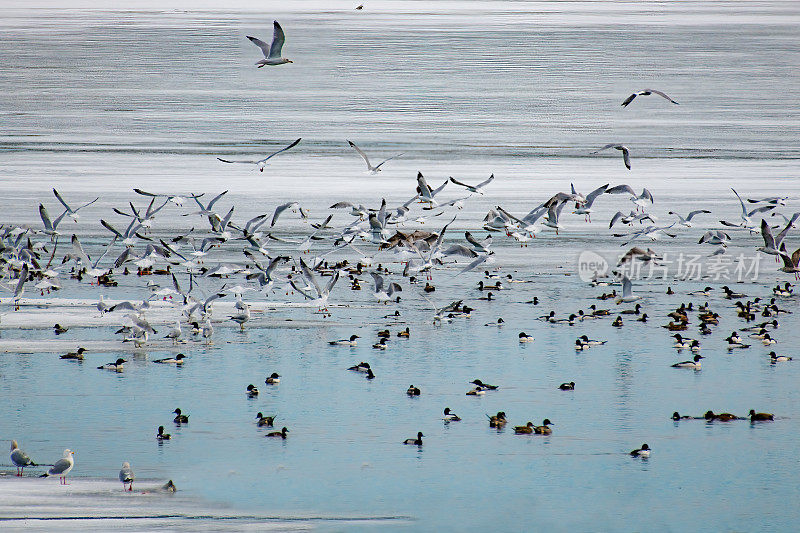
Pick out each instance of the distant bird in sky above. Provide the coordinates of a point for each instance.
(272, 52)
(646, 92)
(261, 162)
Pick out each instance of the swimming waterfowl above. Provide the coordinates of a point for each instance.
(177, 360)
(760, 417)
(20, 459)
(262, 420)
(591, 342)
(737, 345)
(498, 420)
(734, 338)
(498, 324)
(694, 346)
(775, 358)
(567, 386)
(384, 334)
(580, 345)
(731, 294)
(252, 391)
(677, 326)
(483, 385)
(477, 391)
(58, 329)
(642, 318)
(488, 298)
(273, 379)
(694, 363)
(415, 442)
(702, 292)
(406, 333)
(278, 434)
(676, 416)
(527, 429)
(381, 344)
(704, 329)
(767, 340)
(116, 366)
(670, 292)
(524, 337)
(723, 417)
(413, 391)
(450, 416)
(599, 312)
(759, 335)
(126, 476)
(179, 417)
(635, 311)
(161, 435)
(498, 286)
(544, 429)
(428, 287)
(617, 322)
(370, 375)
(345, 342)
(681, 342)
(643, 452)
(74, 355)
(360, 367)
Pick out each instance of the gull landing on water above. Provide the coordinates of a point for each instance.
(272, 52)
(261, 163)
(646, 92)
(374, 169)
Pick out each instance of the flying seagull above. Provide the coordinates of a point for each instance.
(376, 168)
(272, 53)
(477, 189)
(626, 156)
(261, 162)
(646, 92)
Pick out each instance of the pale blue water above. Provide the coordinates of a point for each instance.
(103, 101)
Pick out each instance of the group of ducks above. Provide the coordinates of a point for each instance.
(710, 416)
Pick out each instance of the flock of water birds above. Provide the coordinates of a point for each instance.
(229, 258)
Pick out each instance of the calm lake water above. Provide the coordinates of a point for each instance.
(96, 102)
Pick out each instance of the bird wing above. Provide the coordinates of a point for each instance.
(60, 467)
(248, 161)
(48, 225)
(261, 44)
(594, 194)
(619, 189)
(378, 281)
(273, 154)
(744, 209)
(628, 100)
(461, 183)
(278, 38)
(662, 95)
(646, 195)
(361, 153)
(766, 234)
(474, 264)
(388, 159)
(23, 277)
(626, 157)
(784, 231)
(760, 210)
(280, 209)
(695, 213)
(425, 190)
(627, 287)
(60, 199)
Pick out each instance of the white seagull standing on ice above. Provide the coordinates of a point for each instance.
(126, 476)
(272, 52)
(62, 467)
(261, 163)
(374, 169)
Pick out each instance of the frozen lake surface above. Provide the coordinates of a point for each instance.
(98, 101)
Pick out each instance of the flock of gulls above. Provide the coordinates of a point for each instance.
(223, 258)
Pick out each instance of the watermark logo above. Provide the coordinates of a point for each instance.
(591, 265)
